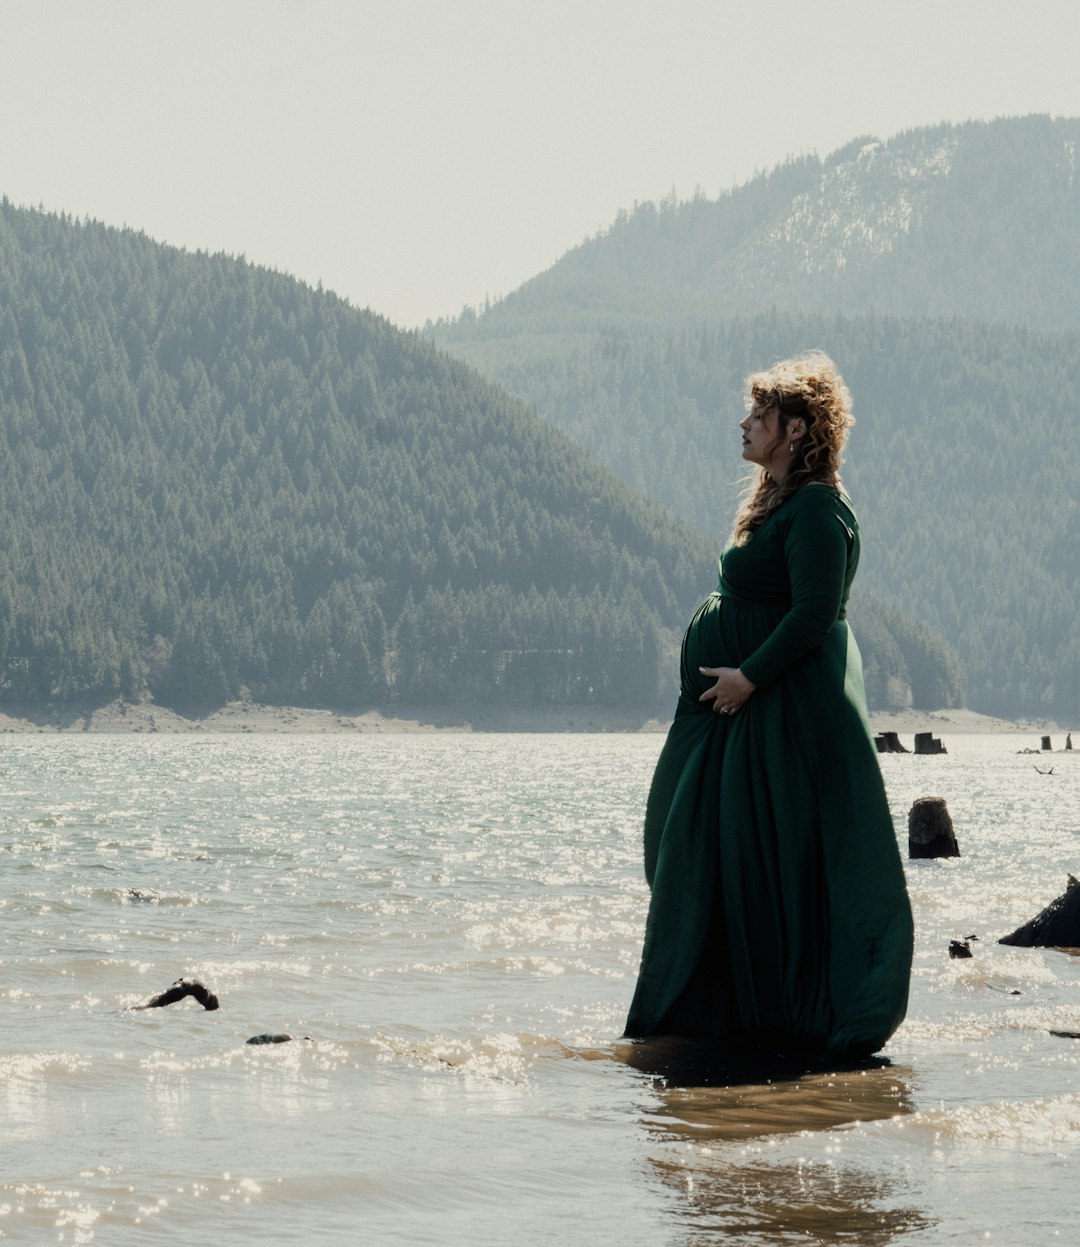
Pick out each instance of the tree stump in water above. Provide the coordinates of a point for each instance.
(930, 829)
(927, 742)
(1046, 744)
(889, 742)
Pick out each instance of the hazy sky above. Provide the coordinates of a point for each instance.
(417, 155)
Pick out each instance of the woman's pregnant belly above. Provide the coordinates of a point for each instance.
(724, 632)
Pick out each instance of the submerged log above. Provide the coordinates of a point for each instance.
(927, 742)
(930, 829)
(1057, 926)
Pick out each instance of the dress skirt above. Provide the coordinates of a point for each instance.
(779, 914)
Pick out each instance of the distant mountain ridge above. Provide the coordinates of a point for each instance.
(980, 220)
(941, 269)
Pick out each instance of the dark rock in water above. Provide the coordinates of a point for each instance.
(180, 989)
(270, 1039)
(930, 829)
(960, 948)
(1057, 926)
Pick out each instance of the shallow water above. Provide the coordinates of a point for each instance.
(455, 922)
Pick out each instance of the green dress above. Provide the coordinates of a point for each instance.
(779, 915)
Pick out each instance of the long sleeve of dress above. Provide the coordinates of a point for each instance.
(818, 549)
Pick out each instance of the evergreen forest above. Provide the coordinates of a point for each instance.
(968, 489)
(218, 482)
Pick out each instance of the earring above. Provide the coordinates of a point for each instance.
(791, 448)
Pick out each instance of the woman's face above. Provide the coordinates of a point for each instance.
(761, 435)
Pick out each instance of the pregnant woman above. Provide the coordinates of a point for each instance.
(779, 918)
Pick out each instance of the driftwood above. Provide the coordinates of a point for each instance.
(180, 989)
(1057, 926)
(205, 997)
(930, 829)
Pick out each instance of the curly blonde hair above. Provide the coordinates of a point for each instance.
(811, 387)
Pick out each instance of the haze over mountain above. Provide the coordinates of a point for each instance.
(941, 269)
(980, 221)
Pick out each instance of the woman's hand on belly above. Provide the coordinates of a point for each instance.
(729, 692)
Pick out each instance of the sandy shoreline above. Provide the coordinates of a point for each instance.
(961, 722)
(252, 717)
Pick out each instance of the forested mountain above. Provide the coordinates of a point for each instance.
(213, 477)
(967, 488)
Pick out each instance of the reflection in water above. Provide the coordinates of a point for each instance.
(743, 1142)
(722, 1095)
(798, 1202)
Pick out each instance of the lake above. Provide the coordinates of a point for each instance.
(455, 922)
